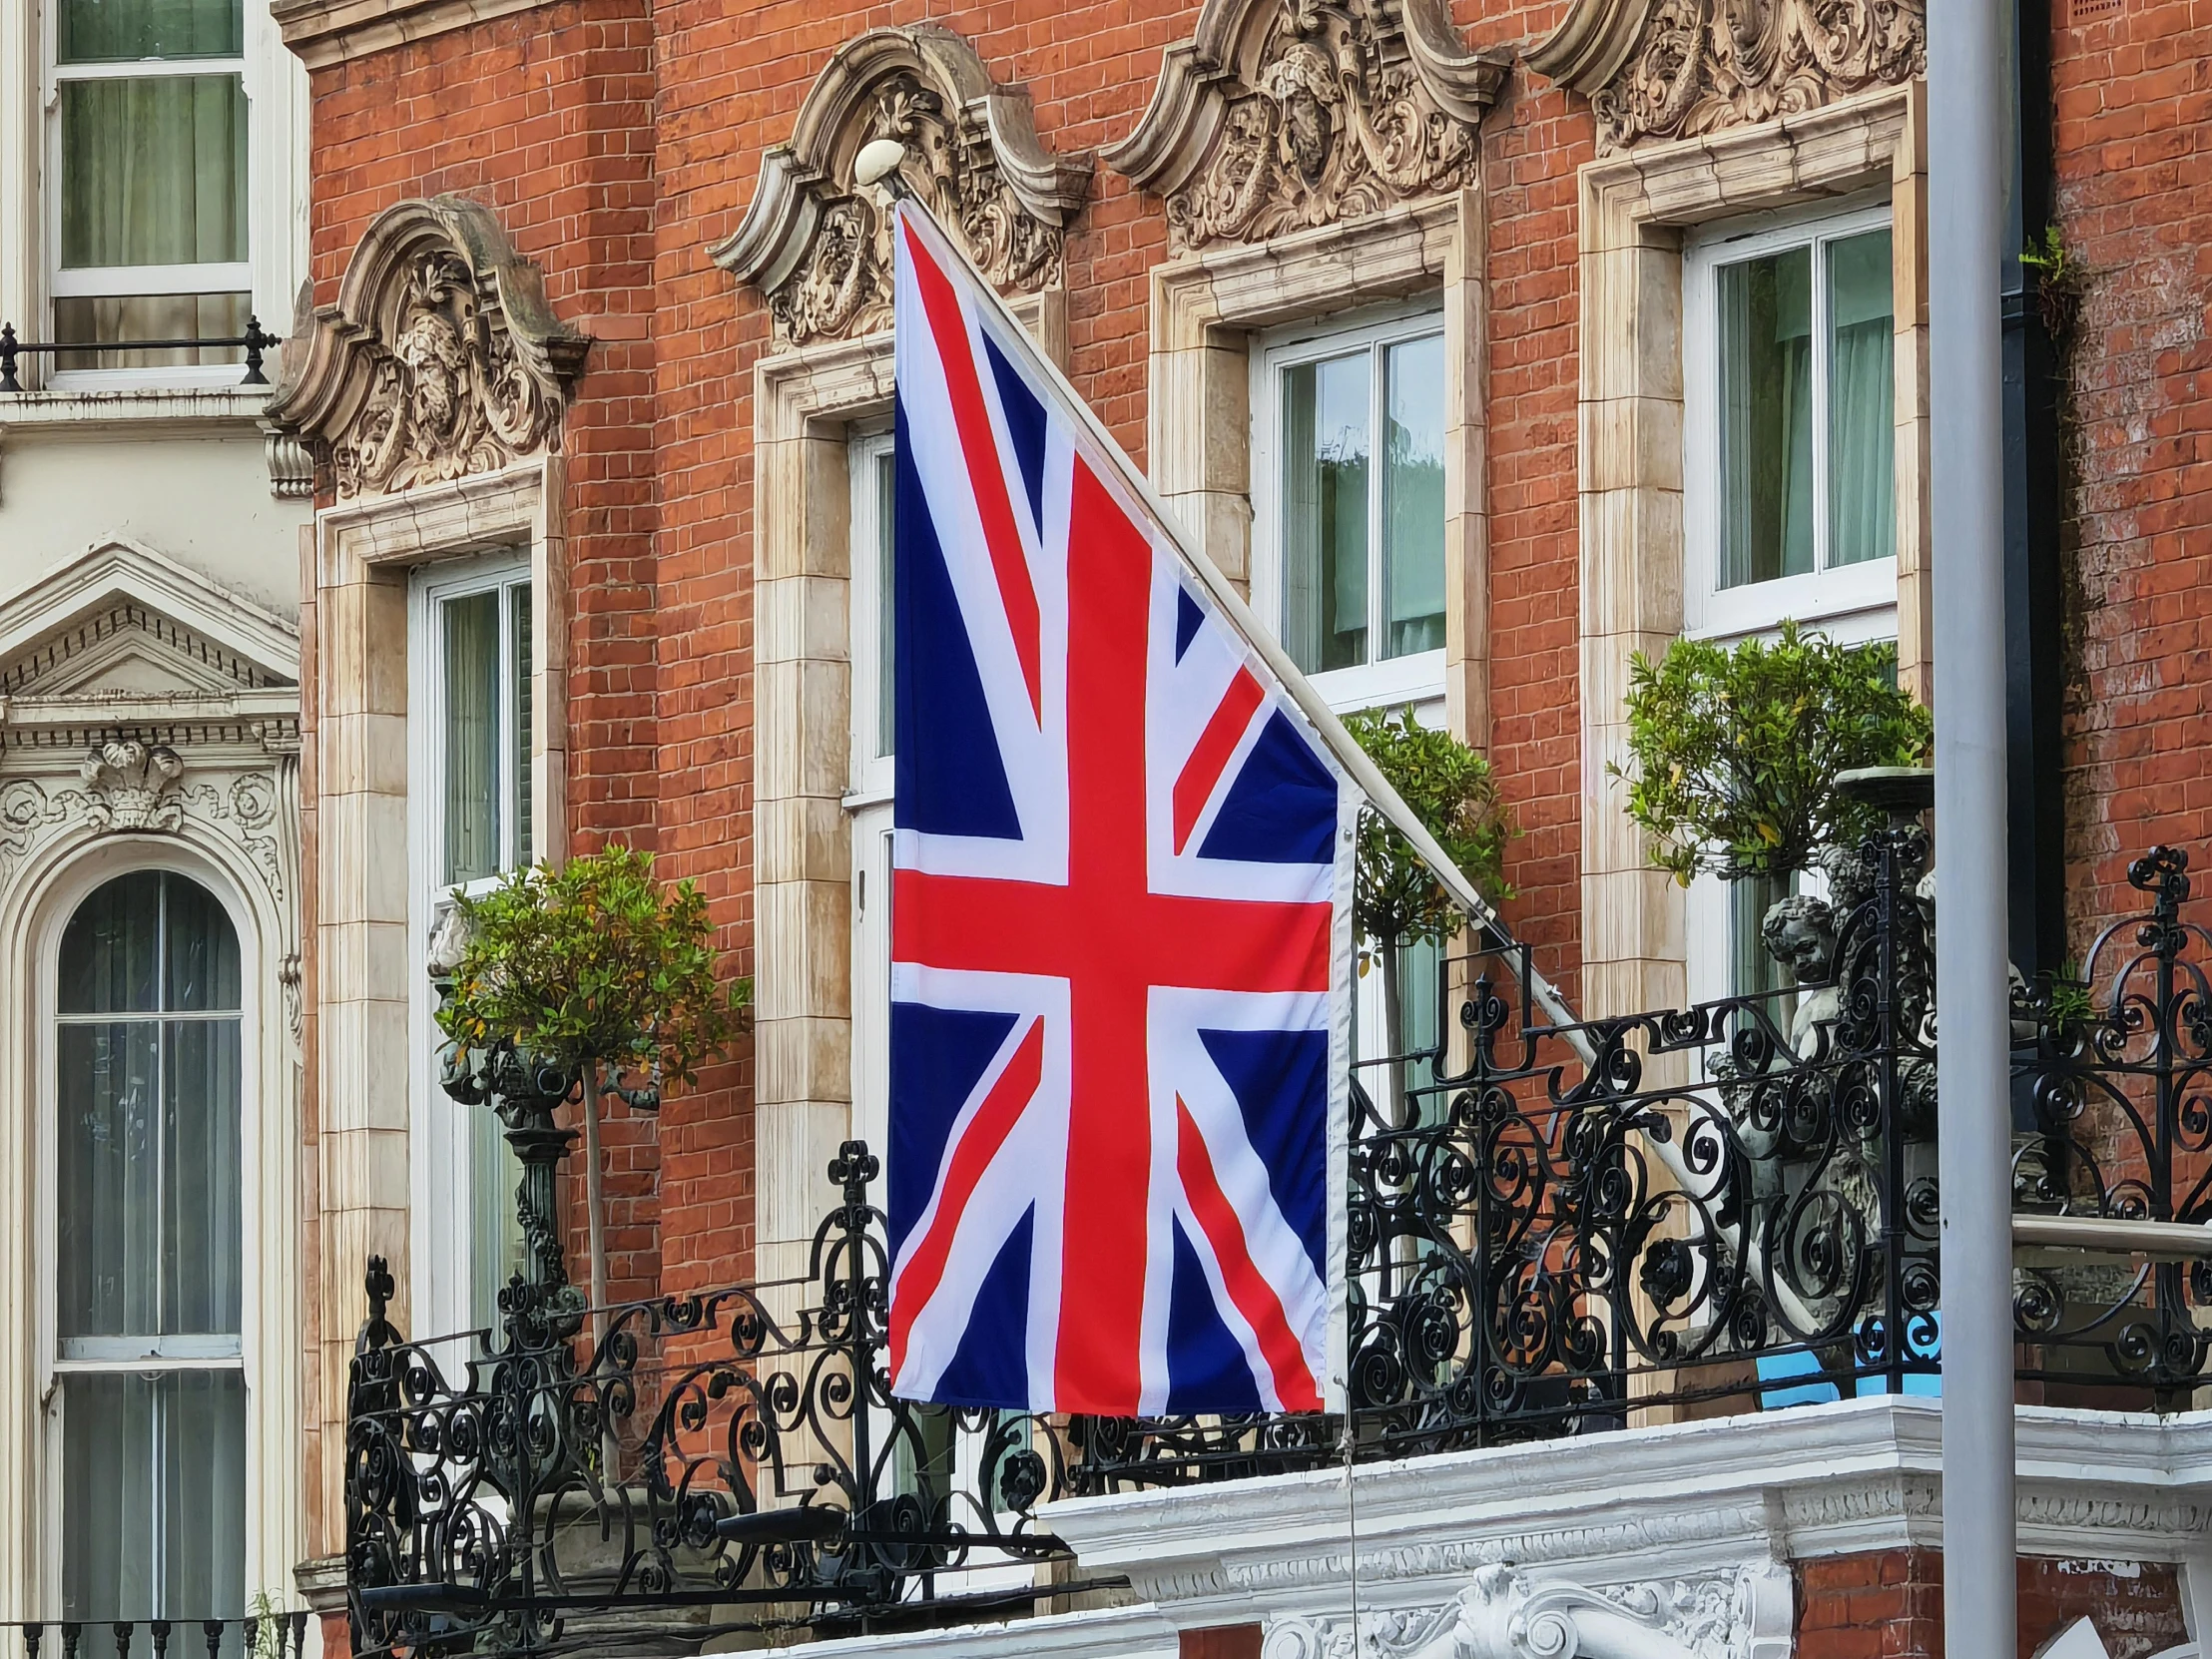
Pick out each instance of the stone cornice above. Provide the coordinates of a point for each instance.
(442, 357)
(820, 248)
(1640, 1505)
(1670, 69)
(326, 32)
(1279, 115)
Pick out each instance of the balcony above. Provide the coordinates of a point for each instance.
(1555, 1233)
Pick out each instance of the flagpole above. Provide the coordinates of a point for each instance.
(1380, 795)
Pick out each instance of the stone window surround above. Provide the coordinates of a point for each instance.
(1634, 209)
(808, 402)
(1207, 309)
(222, 822)
(366, 964)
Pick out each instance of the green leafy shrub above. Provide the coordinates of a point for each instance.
(1734, 750)
(1453, 791)
(594, 962)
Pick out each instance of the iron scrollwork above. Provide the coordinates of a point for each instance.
(727, 1460)
(1565, 1227)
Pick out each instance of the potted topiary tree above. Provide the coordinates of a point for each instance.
(1397, 900)
(1734, 750)
(594, 971)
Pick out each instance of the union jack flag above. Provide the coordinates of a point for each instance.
(1121, 933)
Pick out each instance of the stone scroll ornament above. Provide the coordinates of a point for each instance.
(821, 248)
(1672, 69)
(440, 358)
(1281, 115)
(1507, 1614)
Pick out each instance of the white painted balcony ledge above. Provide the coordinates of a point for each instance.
(1684, 1533)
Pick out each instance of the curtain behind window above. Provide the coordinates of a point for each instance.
(1862, 390)
(1413, 496)
(1766, 328)
(1324, 512)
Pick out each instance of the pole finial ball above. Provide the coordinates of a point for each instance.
(879, 162)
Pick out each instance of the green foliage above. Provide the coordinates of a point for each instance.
(594, 962)
(1734, 752)
(2060, 282)
(1453, 791)
(268, 1614)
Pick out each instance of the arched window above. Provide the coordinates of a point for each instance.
(148, 1263)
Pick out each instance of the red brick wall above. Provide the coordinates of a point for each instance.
(2133, 139)
(1888, 1604)
(1533, 142)
(617, 143)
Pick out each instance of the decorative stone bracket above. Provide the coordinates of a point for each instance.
(440, 358)
(1279, 115)
(1505, 1614)
(1669, 69)
(820, 249)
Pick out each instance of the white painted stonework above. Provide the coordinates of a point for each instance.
(148, 718)
(1673, 1543)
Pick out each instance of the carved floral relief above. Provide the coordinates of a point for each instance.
(822, 250)
(132, 786)
(1698, 66)
(1330, 129)
(440, 359)
(1279, 115)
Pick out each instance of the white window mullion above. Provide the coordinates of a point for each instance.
(1818, 346)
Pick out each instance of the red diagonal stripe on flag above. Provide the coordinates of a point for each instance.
(973, 1155)
(1202, 772)
(1248, 1287)
(979, 445)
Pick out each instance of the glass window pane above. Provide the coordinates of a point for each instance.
(125, 31)
(152, 170)
(108, 1179)
(1324, 512)
(108, 1514)
(202, 950)
(1413, 496)
(471, 637)
(1862, 441)
(202, 1427)
(495, 1230)
(1766, 380)
(111, 947)
(518, 598)
(1421, 968)
(887, 610)
(200, 1245)
(1752, 968)
(146, 317)
(154, 1496)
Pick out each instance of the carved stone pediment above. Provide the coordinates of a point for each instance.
(822, 250)
(1279, 115)
(440, 358)
(1669, 69)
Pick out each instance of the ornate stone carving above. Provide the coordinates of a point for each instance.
(1505, 1614)
(1666, 69)
(820, 249)
(440, 358)
(132, 786)
(1279, 115)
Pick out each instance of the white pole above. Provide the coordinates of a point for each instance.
(1966, 117)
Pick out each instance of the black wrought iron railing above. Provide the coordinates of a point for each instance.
(1552, 1229)
(256, 341)
(734, 1460)
(280, 1635)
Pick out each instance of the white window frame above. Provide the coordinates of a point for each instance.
(1411, 679)
(1852, 604)
(442, 1172)
(246, 1356)
(276, 100)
